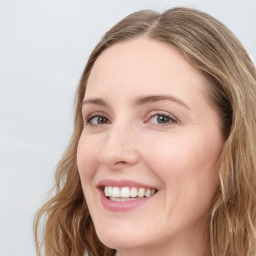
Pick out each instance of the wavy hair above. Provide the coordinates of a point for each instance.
(63, 226)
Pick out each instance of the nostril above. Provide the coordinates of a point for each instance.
(120, 162)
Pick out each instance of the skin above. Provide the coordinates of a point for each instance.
(179, 156)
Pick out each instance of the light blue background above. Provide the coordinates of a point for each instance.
(44, 46)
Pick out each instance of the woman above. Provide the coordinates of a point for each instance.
(162, 159)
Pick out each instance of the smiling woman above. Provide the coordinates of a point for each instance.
(115, 150)
(162, 160)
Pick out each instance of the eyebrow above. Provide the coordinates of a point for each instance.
(142, 100)
(154, 98)
(96, 101)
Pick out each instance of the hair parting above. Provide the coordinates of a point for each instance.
(212, 48)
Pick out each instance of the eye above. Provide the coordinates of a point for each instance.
(162, 119)
(96, 120)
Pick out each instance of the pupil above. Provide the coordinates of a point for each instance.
(101, 120)
(162, 119)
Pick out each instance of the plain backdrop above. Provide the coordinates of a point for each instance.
(44, 46)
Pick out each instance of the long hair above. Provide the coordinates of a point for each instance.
(212, 48)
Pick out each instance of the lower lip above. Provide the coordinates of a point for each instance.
(122, 206)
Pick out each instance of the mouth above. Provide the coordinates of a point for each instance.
(121, 194)
(124, 195)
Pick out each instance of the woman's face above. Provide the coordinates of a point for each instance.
(152, 141)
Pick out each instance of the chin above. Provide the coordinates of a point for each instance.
(117, 238)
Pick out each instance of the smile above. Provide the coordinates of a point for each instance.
(127, 193)
(124, 195)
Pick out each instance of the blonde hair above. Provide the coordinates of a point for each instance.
(207, 44)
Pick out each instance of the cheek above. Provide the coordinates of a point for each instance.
(187, 165)
(179, 154)
(86, 155)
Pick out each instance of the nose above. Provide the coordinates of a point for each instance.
(119, 149)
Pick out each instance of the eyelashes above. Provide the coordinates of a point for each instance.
(96, 119)
(155, 118)
(161, 119)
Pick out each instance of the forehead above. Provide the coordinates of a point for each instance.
(143, 65)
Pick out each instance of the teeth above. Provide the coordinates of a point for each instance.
(106, 191)
(116, 192)
(148, 192)
(126, 193)
(133, 192)
(141, 192)
(120, 199)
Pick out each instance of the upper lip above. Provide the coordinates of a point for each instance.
(122, 183)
